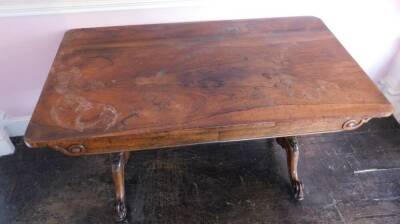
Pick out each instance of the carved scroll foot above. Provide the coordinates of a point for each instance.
(298, 190)
(120, 211)
(118, 171)
(292, 153)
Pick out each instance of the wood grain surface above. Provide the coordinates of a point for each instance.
(152, 86)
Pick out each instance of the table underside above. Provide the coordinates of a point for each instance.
(119, 160)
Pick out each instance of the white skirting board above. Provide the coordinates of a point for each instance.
(394, 99)
(10, 127)
(6, 146)
(389, 83)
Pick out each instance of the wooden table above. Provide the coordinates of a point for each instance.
(129, 88)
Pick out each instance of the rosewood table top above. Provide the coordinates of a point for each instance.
(152, 86)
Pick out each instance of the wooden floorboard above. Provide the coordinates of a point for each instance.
(349, 177)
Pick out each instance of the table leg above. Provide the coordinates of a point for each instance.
(118, 171)
(292, 153)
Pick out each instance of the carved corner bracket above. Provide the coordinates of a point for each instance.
(72, 150)
(354, 124)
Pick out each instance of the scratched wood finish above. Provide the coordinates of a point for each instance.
(152, 86)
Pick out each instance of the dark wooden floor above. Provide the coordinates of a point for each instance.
(243, 182)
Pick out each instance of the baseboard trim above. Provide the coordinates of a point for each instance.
(6, 146)
(15, 126)
(11, 127)
(397, 116)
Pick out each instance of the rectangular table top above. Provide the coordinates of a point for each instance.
(151, 86)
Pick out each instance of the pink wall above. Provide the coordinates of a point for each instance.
(28, 43)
